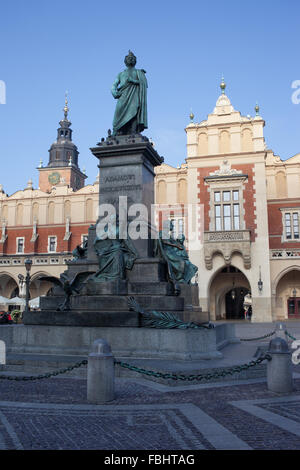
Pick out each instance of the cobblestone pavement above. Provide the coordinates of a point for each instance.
(54, 414)
(241, 415)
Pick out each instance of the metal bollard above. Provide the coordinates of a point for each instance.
(100, 373)
(279, 369)
(2, 352)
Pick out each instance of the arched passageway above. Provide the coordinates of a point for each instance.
(227, 290)
(288, 295)
(8, 286)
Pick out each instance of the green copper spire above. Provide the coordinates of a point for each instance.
(256, 109)
(192, 116)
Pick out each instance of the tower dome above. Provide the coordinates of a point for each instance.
(63, 151)
(62, 168)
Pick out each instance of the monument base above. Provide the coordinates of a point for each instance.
(130, 342)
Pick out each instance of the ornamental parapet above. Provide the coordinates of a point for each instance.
(227, 243)
(37, 260)
(284, 254)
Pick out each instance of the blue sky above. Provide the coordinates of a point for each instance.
(185, 47)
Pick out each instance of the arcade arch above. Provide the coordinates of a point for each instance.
(226, 292)
(38, 287)
(8, 285)
(286, 290)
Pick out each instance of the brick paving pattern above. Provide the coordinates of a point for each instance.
(26, 426)
(54, 414)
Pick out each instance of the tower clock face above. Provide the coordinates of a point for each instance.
(54, 178)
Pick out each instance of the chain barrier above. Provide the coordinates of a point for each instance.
(191, 377)
(261, 337)
(217, 374)
(45, 376)
(268, 335)
(289, 335)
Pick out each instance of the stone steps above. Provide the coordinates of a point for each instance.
(82, 318)
(118, 302)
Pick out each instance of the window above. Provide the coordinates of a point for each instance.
(84, 238)
(161, 192)
(173, 228)
(20, 244)
(178, 227)
(52, 242)
(291, 225)
(227, 210)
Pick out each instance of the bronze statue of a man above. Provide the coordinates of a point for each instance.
(130, 89)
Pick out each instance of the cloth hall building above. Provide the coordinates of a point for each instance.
(243, 199)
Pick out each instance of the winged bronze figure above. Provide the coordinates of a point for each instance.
(70, 287)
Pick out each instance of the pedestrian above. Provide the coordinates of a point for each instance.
(249, 313)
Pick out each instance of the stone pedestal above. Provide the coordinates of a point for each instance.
(126, 174)
(130, 342)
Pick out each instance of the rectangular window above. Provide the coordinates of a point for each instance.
(227, 210)
(235, 195)
(296, 224)
(236, 216)
(20, 244)
(218, 218)
(52, 244)
(226, 196)
(288, 229)
(178, 227)
(217, 196)
(227, 216)
(291, 225)
(173, 229)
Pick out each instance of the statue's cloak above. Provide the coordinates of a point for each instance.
(132, 104)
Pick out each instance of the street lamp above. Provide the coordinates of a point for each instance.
(28, 264)
(260, 282)
(233, 294)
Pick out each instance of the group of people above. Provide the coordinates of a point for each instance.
(5, 318)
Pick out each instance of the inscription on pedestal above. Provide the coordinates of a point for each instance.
(127, 180)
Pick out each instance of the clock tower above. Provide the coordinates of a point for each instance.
(62, 168)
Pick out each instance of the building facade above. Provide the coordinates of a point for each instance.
(248, 205)
(46, 224)
(237, 204)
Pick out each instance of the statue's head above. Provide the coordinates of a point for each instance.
(130, 59)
